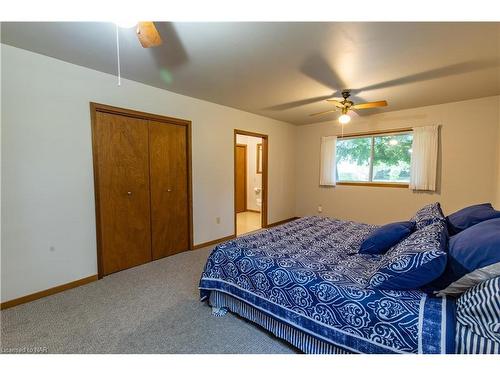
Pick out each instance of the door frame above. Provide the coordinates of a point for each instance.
(265, 146)
(246, 171)
(97, 107)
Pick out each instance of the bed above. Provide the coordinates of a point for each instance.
(305, 282)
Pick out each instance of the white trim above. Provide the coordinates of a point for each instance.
(443, 326)
(421, 322)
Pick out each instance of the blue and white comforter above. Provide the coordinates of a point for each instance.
(308, 274)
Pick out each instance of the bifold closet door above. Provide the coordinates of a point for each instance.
(169, 188)
(123, 191)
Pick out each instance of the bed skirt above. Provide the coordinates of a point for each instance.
(301, 340)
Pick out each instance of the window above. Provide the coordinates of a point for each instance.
(374, 159)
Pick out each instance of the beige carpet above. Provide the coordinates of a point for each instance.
(152, 308)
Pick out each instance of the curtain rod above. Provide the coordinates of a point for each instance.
(401, 130)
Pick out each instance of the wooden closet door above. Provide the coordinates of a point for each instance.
(169, 188)
(241, 178)
(123, 182)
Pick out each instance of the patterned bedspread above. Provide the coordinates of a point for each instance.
(308, 274)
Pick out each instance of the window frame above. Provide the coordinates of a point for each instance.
(372, 135)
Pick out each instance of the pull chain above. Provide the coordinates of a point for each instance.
(118, 56)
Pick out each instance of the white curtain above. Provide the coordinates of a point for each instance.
(424, 158)
(328, 166)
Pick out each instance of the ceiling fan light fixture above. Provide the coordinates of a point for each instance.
(344, 118)
(347, 105)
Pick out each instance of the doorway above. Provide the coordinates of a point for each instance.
(250, 181)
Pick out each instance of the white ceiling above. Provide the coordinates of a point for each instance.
(285, 70)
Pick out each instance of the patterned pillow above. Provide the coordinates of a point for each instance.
(414, 262)
(428, 214)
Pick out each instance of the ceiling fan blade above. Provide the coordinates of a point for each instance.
(319, 69)
(324, 112)
(380, 103)
(298, 103)
(148, 35)
(336, 103)
(445, 71)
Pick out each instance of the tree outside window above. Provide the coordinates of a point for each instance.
(376, 158)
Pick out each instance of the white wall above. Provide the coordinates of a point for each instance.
(48, 219)
(470, 138)
(254, 179)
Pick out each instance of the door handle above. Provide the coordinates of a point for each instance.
(129, 193)
(169, 190)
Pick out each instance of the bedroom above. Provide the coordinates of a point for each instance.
(120, 196)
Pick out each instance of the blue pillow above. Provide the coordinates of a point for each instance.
(385, 237)
(414, 262)
(428, 214)
(470, 216)
(473, 256)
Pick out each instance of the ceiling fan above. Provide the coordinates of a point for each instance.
(346, 105)
(318, 69)
(146, 32)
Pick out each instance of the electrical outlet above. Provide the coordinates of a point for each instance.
(217, 220)
(320, 209)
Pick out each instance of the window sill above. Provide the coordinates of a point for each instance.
(375, 184)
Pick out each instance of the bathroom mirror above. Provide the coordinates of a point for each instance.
(259, 158)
